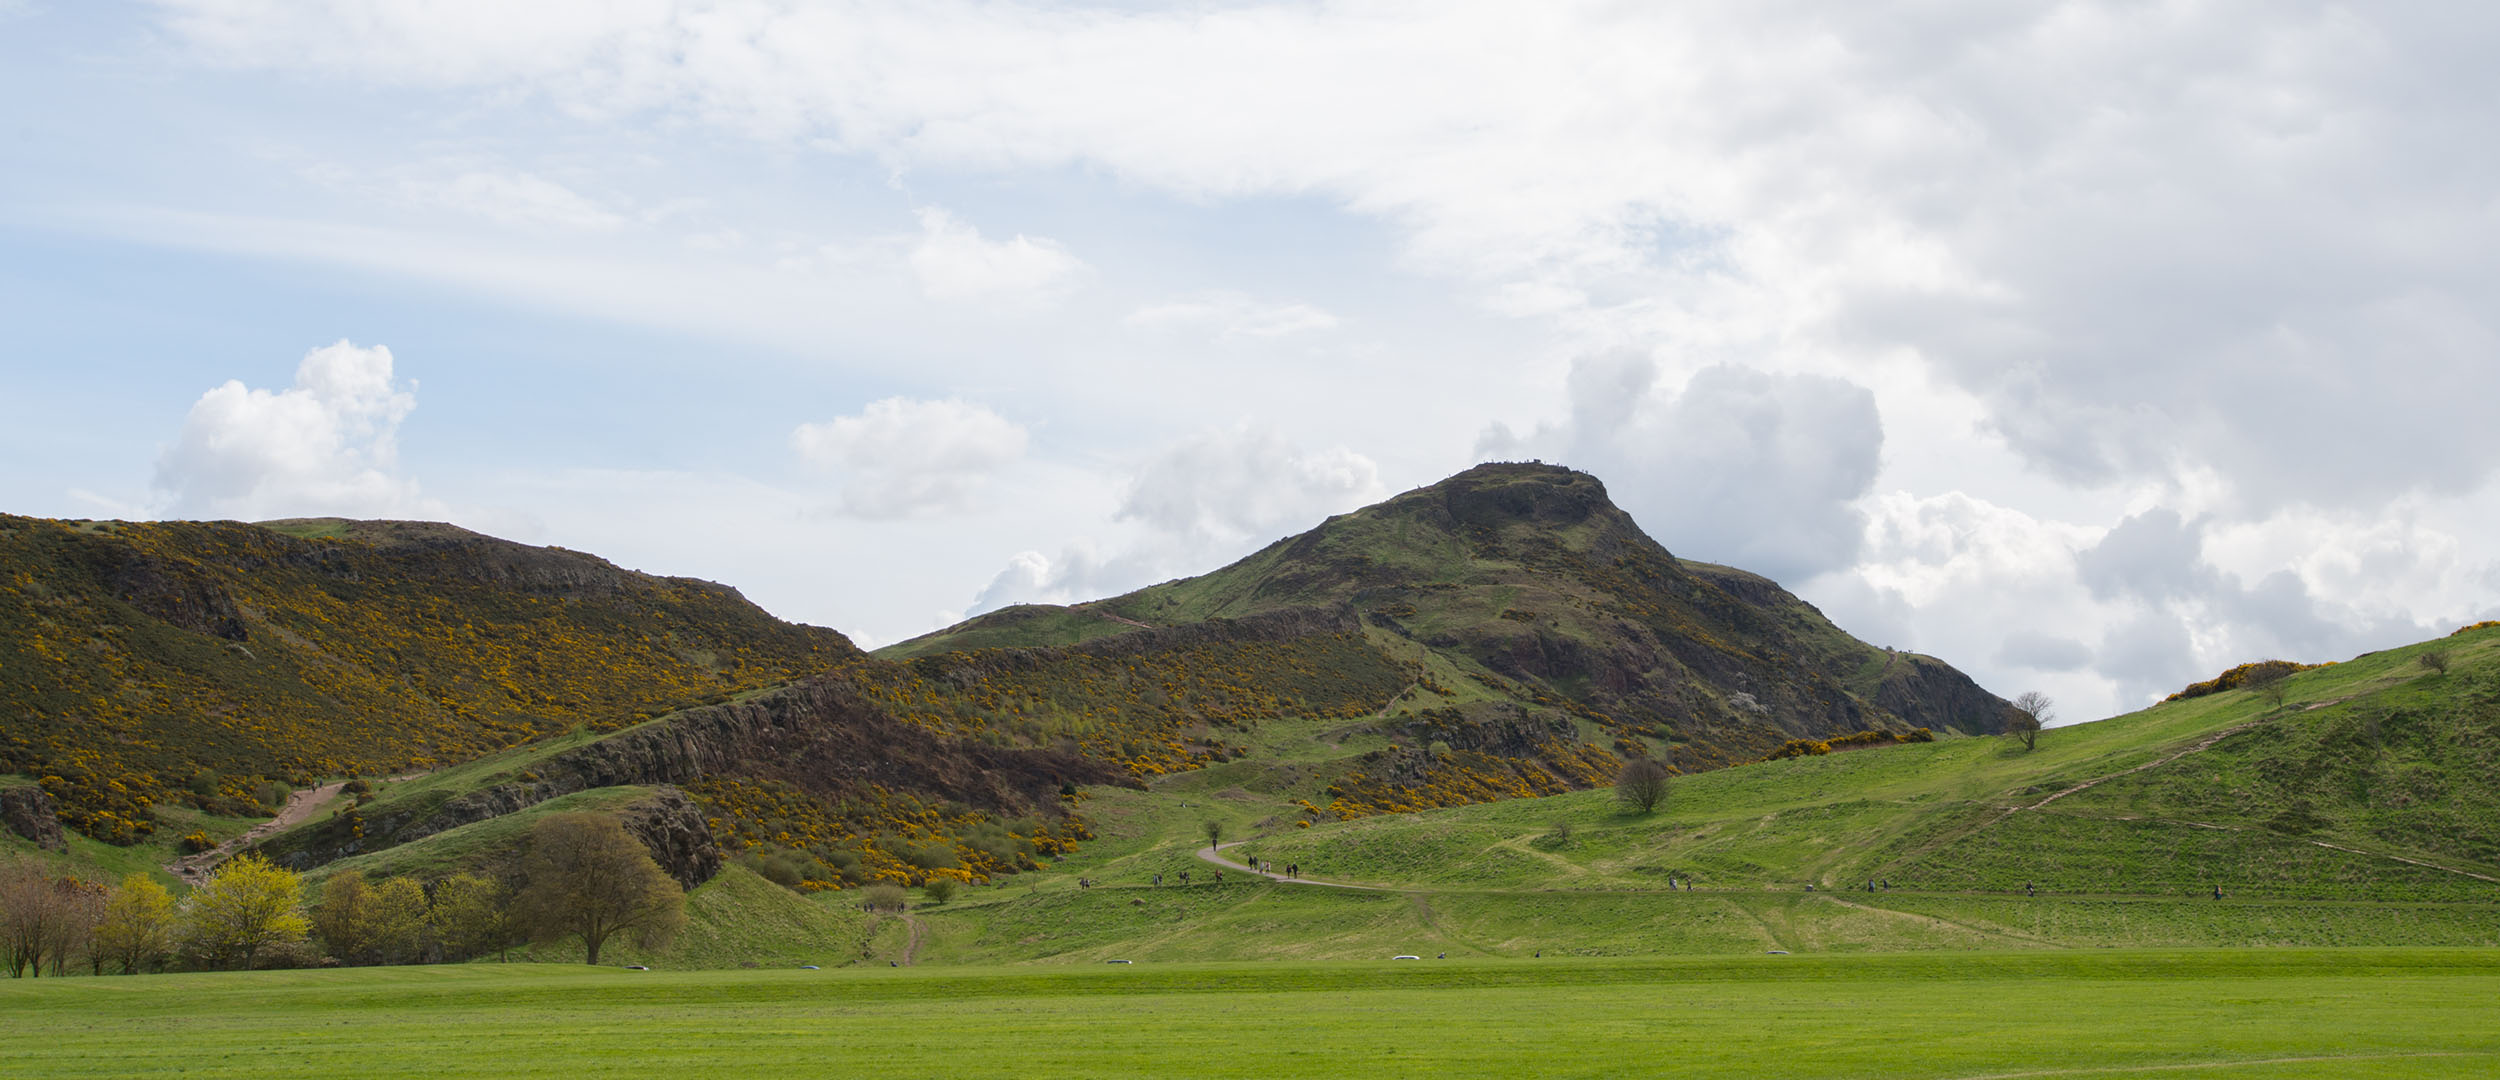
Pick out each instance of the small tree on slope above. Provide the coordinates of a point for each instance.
(1642, 783)
(2031, 712)
(589, 878)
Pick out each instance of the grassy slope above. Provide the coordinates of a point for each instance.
(1493, 879)
(2274, 1015)
(1920, 813)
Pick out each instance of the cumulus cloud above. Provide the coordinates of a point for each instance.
(908, 458)
(1246, 482)
(324, 446)
(1192, 506)
(1079, 572)
(1233, 314)
(953, 262)
(1759, 470)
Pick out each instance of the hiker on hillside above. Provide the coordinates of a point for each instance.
(1184, 877)
(1158, 880)
(2217, 890)
(2028, 890)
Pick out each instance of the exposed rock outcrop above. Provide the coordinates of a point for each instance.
(819, 736)
(671, 825)
(28, 812)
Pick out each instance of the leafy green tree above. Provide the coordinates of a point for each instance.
(590, 879)
(469, 916)
(340, 918)
(395, 923)
(251, 907)
(138, 925)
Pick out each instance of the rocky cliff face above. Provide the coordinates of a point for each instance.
(671, 825)
(818, 736)
(27, 811)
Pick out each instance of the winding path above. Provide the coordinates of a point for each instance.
(1211, 855)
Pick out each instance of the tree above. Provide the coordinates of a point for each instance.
(340, 918)
(1642, 783)
(469, 916)
(1215, 833)
(589, 878)
(30, 906)
(2269, 681)
(395, 922)
(2434, 661)
(81, 910)
(138, 924)
(2032, 711)
(252, 906)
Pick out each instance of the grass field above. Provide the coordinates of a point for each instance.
(2271, 1014)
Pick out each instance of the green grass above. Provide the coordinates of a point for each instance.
(1936, 815)
(2240, 1014)
(487, 843)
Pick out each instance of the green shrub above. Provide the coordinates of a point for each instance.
(939, 890)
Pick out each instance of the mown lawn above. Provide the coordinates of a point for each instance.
(2246, 1013)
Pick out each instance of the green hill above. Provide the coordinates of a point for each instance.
(1522, 597)
(147, 663)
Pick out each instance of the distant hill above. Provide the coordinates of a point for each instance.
(142, 663)
(1523, 585)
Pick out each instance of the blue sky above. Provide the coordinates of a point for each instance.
(2092, 347)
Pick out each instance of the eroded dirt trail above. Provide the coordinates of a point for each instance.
(300, 806)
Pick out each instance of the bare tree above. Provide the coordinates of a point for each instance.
(589, 878)
(2268, 681)
(30, 908)
(1642, 783)
(2434, 661)
(2032, 710)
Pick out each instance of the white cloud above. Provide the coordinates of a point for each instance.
(1757, 470)
(952, 262)
(1233, 314)
(1080, 572)
(520, 199)
(906, 458)
(1246, 483)
(325, 446)
(1193, 506)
